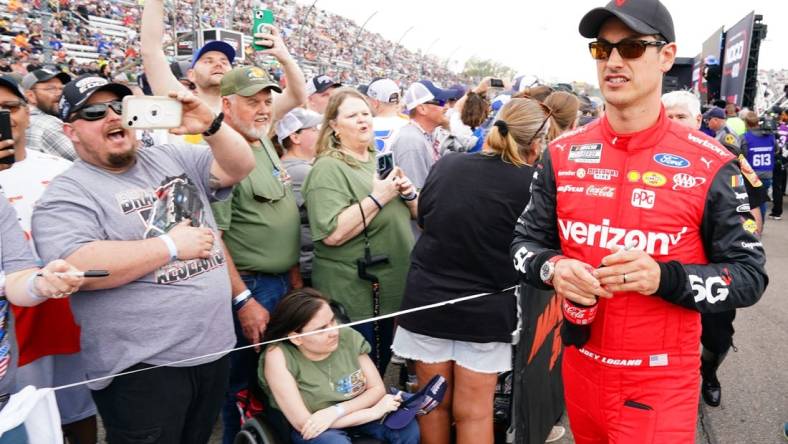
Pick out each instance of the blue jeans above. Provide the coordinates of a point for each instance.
(407, 435)
(267, 290)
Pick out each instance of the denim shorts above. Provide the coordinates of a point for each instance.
(480, 357)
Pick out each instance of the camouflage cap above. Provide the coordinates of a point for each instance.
(247, 81)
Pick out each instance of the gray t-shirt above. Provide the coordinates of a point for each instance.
(182, 310)
(298, 169)
(16, 256)
(413, 152)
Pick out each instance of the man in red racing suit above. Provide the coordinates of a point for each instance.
(666, 201)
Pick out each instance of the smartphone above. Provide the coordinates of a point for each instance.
(496, 83)
(385, 165)
(151, 112)
(5, 134)
(261, 17)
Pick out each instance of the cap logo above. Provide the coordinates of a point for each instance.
(256, 73)
(90, 83)
(323, 79)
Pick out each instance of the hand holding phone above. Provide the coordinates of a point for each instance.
(261, 17)
(151, 112)
(6, 138)
(385, 165)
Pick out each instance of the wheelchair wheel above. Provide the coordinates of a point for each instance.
(255, 431)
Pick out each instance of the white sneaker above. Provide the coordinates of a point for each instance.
(556, 434)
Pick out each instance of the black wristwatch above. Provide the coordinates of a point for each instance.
(215, 125)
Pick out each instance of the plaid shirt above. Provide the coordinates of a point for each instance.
(45, 134)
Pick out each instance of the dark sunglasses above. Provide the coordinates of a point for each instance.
(627, 49)
(13, 106)
(436, 102)
(97, 111)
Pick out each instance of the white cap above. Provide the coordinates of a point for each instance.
(297, 119)
(417, 94)
(384, 90)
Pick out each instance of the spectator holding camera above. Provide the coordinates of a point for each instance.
(351, 208)
(168, 295)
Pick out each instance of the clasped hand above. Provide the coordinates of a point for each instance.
(623, 270)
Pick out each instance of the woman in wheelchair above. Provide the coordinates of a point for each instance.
(325, 384)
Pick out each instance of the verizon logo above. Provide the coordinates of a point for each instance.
(605, 236)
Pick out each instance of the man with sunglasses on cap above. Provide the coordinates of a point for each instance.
(166, 298)
(635, 221)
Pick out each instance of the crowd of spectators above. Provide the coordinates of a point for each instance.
(324, 42)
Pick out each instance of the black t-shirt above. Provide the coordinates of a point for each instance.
(467, 209)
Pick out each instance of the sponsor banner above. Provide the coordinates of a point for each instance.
(736, 57)
(710, 50)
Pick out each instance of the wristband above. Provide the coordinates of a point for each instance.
(340, 410)
(215, 125)
(410, 197)
(380, 207)
(241, 299)
(31, 289)
(170, 246)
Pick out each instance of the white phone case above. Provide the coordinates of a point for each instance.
(151, 112)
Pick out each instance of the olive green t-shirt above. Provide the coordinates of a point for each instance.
(331, 187)
(324, 383)
(261, 220)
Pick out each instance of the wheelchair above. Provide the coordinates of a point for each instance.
(262, 424)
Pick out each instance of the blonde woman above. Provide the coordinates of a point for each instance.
(350, 207)
(467, 210)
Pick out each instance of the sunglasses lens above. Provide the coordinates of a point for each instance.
(94, 112)
(600, 50)
(631, 49)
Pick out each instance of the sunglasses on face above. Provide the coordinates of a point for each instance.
(97, 111)
(627, 49)
(436, 102)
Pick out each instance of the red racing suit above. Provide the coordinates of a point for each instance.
(678, 195)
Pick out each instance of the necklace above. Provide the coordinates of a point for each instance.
(327, 375)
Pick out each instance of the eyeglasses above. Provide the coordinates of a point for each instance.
(49, 89)
(13, 106)
(627, 48)
(436, 102)
(97, 111)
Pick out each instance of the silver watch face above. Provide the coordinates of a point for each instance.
(546, 272)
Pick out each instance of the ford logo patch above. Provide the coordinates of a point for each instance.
(671, 160)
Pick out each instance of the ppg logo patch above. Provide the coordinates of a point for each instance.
(588, 153)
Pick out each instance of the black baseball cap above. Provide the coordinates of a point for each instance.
(77, 92)
(643, 16)
(11, 83)
(319, 84)
(42, 75)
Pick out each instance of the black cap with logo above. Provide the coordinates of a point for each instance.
(77, 92)
(646, 17)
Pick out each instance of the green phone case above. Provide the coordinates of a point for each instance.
(261, 17)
